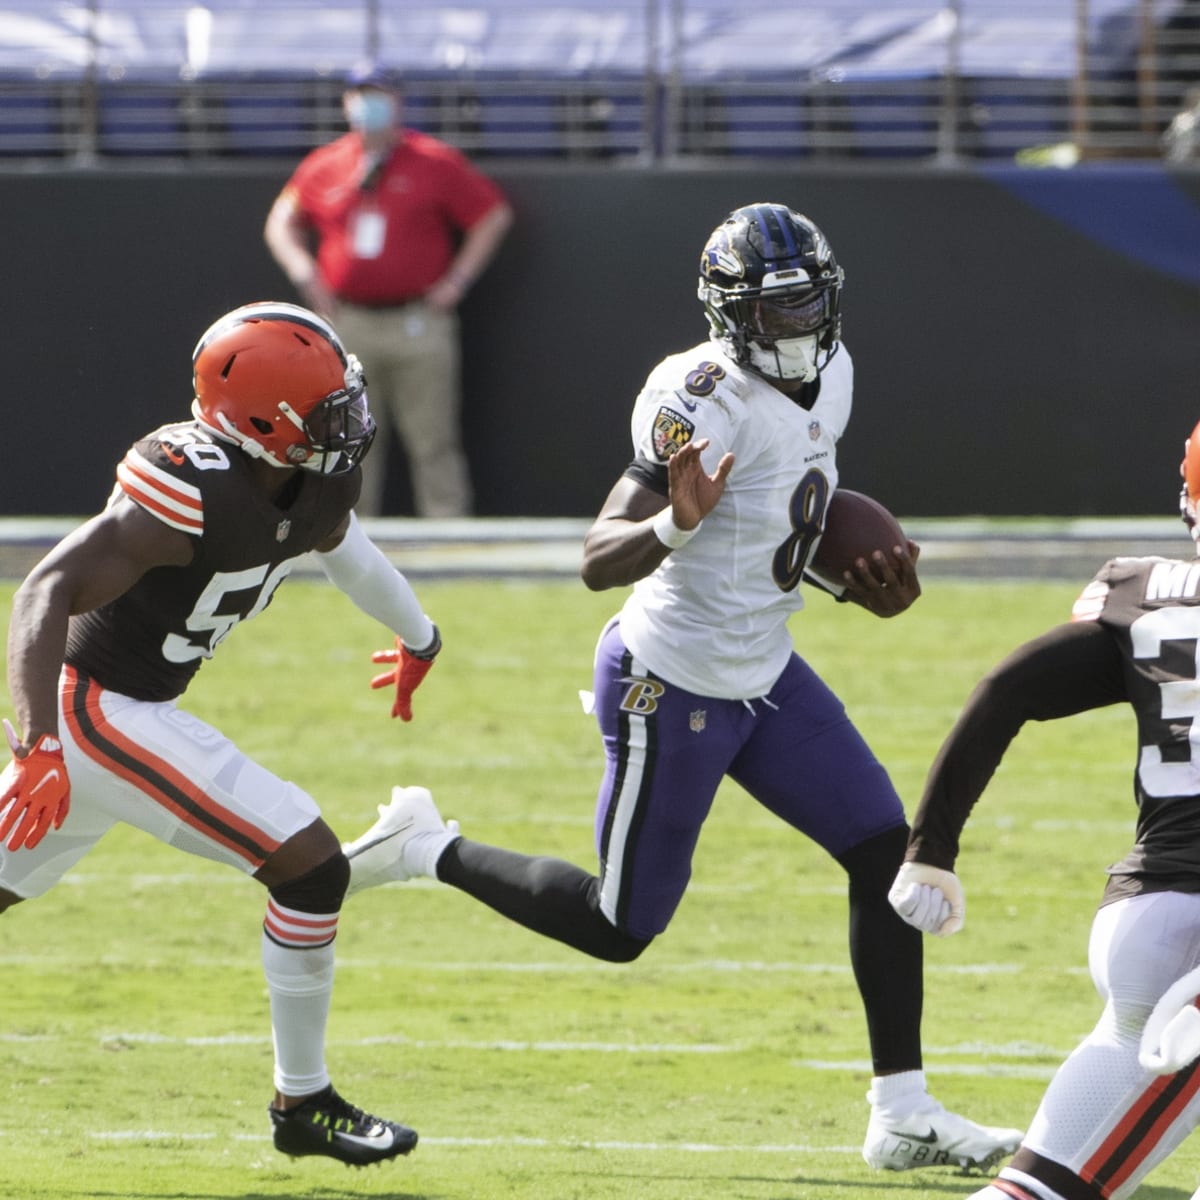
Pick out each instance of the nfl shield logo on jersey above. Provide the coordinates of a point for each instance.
(696, 720)
(814, 430)
(282, 530)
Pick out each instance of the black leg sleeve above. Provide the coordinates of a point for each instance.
(549, 896)
(886, 953)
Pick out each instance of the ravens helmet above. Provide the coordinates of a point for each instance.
(772, 291)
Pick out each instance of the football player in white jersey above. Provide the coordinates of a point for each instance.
(714, 522)
(1129, 1093)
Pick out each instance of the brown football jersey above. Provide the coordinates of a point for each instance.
(151, 641)
(1151, 606)
(1134, 638)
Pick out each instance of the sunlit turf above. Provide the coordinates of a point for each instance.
(729, 1063)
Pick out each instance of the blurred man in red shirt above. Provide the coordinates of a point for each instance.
(384, 230)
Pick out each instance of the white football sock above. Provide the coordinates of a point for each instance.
(300, 983)
(897, 1096)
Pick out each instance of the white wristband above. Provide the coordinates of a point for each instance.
(669, 533)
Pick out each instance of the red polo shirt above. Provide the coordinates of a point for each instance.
(392, 241)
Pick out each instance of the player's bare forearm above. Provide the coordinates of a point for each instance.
(618, 552)
(91, 566)
(620, 548)
(37, 636)
(624, 544)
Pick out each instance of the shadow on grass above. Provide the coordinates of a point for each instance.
(893, 1184)
(310, 1193)
(925, 1184)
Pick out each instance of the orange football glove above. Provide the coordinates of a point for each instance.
(411, 667)
(37, 792)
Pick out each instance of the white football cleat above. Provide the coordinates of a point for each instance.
(405, 843)
(936, 1138)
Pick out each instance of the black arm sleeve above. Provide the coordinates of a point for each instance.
(649, 474)
(1070, 669)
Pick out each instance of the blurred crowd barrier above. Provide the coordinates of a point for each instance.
(638, 81)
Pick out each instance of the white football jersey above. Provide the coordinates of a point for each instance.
(713, 617)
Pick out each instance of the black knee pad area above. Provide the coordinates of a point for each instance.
(873, 864)
(317, 891)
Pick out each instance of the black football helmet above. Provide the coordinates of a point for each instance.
(772, 291)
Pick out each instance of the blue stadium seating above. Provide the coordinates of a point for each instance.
(140, 120)
(31, 123)
(565, 78)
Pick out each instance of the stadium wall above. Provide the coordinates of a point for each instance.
(1025, 342)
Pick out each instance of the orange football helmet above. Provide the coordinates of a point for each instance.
(1189, 496)
(275, 379)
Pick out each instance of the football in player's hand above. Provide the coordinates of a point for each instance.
(855, 527)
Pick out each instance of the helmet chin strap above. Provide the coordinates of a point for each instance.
(230, 432)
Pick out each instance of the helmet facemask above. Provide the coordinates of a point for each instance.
(786, 329)
(340, 429)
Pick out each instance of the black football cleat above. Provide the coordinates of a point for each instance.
(326, 1124)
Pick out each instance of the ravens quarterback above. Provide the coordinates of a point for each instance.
(205, 521)
(713, 523)
(1130, 1091)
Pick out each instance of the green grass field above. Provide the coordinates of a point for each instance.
(728, 1064)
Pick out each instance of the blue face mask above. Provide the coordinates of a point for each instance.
(370, 111)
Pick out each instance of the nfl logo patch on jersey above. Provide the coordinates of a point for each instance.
(697, 720)
(672, 431)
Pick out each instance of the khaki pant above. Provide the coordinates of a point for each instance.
(410, 356)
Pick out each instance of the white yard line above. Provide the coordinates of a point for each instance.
(159, 1135)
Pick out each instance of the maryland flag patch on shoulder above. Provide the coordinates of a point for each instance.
(672, 431)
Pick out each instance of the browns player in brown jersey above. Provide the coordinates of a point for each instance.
(206, 520)
(1112, 1111)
